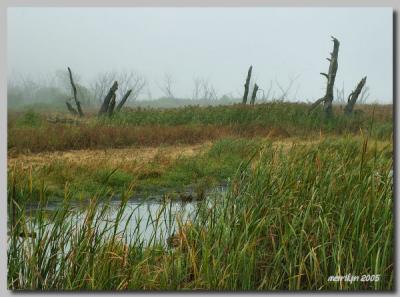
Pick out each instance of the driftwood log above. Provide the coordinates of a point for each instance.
(107, 99)
(78, 104)
(352, 99)
(123, 100)
(253, 96)
(247, 85)
(330, 77)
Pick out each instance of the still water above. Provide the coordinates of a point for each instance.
(142, 221)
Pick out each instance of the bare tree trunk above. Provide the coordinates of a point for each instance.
(333, 66)
(247, 85)
(107, 99)
(78, 104)
(71, 109)
(253, 96)
(123, 100)
(352, 99)
(111, 106)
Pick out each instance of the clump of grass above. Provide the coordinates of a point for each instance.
(291, 218)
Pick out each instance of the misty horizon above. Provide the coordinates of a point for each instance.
(286, 46)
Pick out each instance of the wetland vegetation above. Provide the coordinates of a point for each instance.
(301, 198)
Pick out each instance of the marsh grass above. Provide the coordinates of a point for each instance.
(291, 218)
(30, 132)
(209, 166)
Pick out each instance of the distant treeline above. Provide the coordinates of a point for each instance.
(51, 93)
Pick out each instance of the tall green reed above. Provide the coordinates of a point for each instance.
(292, 217)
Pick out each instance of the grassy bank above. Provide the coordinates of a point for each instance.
(165, 169)
(31, 132)
(292, 217)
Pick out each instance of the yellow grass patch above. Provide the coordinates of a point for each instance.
(116, 157)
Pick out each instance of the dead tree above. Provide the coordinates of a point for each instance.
(71, 109)
(267, 96)
(333, 66)
(107, 99)
(285, 92)
(111, 106)
(253, 96)
(78, 104)
(352, 99)
(247, 85)
(208, 90)
(167, 88)
(123, 100)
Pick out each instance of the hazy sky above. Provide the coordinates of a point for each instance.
(217, 44)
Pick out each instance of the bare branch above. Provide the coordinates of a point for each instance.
(167, 86)
(352, 99)
(285, 92)
(78, 104)
(324, 74)
(71, 109)
(127, 80)
(316, 103)
(123, 100)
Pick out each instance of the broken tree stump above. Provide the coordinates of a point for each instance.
(123, 100)
(78, 104)
(107, 99)
(247, 85)
(333, 66)
(352, 99)
(253, 96)
(111, 106)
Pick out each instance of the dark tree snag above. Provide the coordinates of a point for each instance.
(107, 99)
(111, 106)
(247, 85)
(333, 66)
(123, 100)
(78, 104)
(254, 94)
(352, 99)
(330, 76)
(71, 109)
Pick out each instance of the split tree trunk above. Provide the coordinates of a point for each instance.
(333, 66)
(247, 85)
(352, 99)
(253, 96)
(107, 99)
(123, 100)
(78, 104)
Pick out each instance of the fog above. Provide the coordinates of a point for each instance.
(287, 47)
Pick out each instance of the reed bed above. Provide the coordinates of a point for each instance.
(291, 218)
